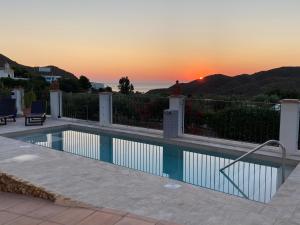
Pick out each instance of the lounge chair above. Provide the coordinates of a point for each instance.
(7, 110)
(11, 109)
(3, 118)
(37, 115)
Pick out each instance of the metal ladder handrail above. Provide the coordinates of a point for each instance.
(283, 149)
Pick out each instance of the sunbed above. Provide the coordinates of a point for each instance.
(37, 115)
(7, 110)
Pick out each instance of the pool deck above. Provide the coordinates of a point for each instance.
(104, 185)
(22, 210)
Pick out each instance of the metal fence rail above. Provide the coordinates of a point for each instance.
(48, 109)
(83, 106)
(138, 110)
(44, 96)
(242, 121)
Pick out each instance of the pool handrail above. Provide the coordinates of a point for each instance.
(283, 149)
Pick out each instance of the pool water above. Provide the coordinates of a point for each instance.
(253, 180)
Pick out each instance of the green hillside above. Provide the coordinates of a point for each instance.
(283, 79)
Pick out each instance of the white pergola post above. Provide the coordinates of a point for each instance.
(56, 103)
(18, 94)
(289, 124)
(178, 103)
(105, 108)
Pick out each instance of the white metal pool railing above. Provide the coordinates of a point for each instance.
(258, 148)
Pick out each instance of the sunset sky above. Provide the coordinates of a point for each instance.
(152, 40)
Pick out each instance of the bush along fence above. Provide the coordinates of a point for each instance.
(139, 110)
(241, 121)
(83, 106)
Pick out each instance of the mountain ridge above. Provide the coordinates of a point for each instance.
(281, 78)
(55, 71)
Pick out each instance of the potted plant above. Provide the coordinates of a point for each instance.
(29, 97)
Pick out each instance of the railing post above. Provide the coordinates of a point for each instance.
(18, 94)
(289, 124)
(105, 108)
(177, 102)
(56, 104)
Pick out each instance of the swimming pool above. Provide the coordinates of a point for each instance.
(253, 179)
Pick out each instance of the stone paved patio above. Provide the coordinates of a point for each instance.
(21, 210)
(140, 193)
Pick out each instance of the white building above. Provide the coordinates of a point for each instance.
(46, 72)
(97, 86)
(45, 69)
(50, 78)
(7, 71)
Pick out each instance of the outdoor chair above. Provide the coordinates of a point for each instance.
(3, 118)
(7, 110)
(37, 115)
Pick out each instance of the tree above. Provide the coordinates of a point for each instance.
(20, 72)
(84, 83)
(69, 85)
(4, 91)
(29, 97)
(282, 93)
(37, 83)
(125, 86)
(106, 89)
(40, 87)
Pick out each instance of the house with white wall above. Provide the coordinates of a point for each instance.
(50, 78)
(7, 71)
(46, 72)
(97, 85)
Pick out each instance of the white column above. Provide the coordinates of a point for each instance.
(178, 103)
(56, 103)
(19, 96)
(289, 124)
(105, 108)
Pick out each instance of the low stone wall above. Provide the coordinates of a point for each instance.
(12, 184)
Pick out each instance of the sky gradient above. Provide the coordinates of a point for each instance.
(157, 40)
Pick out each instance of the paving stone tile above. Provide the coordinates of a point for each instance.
(49, 223)
(280, 212)
(6, 217)
(133, 221)
(8, 202)
(285, 222)
(72, 216)
(24, 220)
(48, 211)
(295, 217)
(113, 211)
(100, 218)
(166, 223)
(147, 219)
(27, 206)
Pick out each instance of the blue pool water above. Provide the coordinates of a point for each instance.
(253, 180)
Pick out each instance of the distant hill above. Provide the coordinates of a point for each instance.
(283, 78)
(55, 71)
